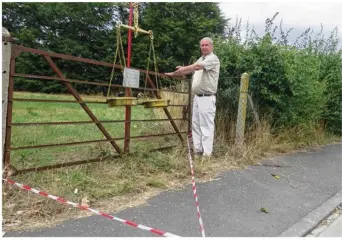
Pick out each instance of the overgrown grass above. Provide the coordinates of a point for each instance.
(115, 184)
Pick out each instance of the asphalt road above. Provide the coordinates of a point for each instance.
(230, 206)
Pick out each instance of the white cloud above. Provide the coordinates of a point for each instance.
(299, 16)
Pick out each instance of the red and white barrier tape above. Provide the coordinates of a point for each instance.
(194, 187)
(61, 200)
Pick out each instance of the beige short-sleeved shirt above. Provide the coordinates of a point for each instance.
(205, 81)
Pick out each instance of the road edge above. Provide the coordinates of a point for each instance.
(312, 219)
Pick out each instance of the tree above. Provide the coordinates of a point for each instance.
(78, 29)
(177, 28)
(87, 30)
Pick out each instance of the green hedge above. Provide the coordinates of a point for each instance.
(292, 84)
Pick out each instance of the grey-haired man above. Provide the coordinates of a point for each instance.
(205, 77)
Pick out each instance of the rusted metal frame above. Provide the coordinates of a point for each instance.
(150, 82)
(50, 100)
(83, 105)
(190, 121)
(39, 77)
(70, 101)
(88, 122)
(189, 108)
(60, 165)
(91, 141)
(84, 60)
(19, 49)
(128, 116)
(177, 105)
(7, 154)
(63, 56)
(128, 91)
(84, 82)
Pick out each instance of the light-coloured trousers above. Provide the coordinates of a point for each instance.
(203, 116)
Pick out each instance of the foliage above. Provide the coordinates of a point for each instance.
(293, 85)
(83, 30)
(87, 30)
(178, 28)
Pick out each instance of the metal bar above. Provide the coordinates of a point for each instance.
(85, 82)
(128, 116)
(190, 108)
(91, 141)
(64, 144)
(64, 56)
(128, 91)
(49, 100)
(177, 105)
(70, 101)
(86, 122)
(83, 105)
(64, 80)
(163, 148)
(166, 110)
(85, 60)
(60, 165)
(135, 29)
(7, 154)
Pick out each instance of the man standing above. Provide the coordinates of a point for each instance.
(204, 87)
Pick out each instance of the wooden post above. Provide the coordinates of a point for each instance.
(241, 119)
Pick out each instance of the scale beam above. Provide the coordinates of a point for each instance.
(149, 32)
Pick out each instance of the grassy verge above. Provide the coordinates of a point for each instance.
(116, 184)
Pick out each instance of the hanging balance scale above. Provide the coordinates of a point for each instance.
(119, 101)
(131, 76)
(159, 102)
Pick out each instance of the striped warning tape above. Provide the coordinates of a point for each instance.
(61, 200)
(194, 186)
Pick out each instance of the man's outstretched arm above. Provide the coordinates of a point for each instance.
(181, 71)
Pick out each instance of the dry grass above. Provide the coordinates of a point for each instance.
(176, 112)
(117, 184)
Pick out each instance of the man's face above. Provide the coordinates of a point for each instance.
(206, 47)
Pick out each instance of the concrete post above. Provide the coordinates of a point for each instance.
(241, 119)
(6, 57)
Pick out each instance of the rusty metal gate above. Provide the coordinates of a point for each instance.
(16, 50)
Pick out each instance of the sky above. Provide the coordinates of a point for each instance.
(295, 14)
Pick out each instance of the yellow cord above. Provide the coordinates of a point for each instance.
(117, 52)
(155, 62)
(120, 51)
(136, 18)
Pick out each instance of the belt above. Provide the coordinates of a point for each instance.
(206, 95)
